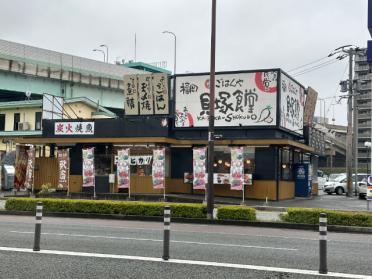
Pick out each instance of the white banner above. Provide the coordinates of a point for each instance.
(158, 169)
(123, 168)
(137, 160)
(88, 167)
(241, 99)
(292, 101)
(199, 160)
(130, 95)
(237, 168)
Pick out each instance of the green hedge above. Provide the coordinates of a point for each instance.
(341, 218)
(236, 212)
(107, 207)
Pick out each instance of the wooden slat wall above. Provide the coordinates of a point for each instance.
(46, 171)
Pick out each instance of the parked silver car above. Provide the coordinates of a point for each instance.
(338, 186)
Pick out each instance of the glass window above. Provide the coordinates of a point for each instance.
(222, 159)
(17, 119)
(38, 120)
(286, 164)
(2, 122)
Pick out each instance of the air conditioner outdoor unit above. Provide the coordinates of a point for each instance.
(23, 126)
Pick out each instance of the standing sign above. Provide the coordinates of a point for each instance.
(292, 101)
(123, 168)
(29, 182)
(199, 175)
(64, 169)
(146, 94)
(237, 168)
(158, 169)
(242, 99)
(88, 167)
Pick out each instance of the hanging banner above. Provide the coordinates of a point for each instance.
(158, 170)
(237, 168)
(199, 176)
(20, 167)
(130, 95)
(63, 159)
(145, 95)
(123, 168)
(29, 182)
(160, 90)
(88, 167)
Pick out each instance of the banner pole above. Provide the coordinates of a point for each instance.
(243, 192)
(68, 175)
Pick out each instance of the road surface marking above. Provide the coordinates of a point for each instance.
(189, 262)
(161, 240)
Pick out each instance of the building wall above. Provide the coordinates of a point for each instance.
(26, 115)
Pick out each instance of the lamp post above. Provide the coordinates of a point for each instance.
(107, 55)
(368, 145)
(104, 55)
(175, 48)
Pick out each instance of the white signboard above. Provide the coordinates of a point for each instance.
(241, 99)
(73, 128)
(138, 160)
(146, 94)
(292, 101)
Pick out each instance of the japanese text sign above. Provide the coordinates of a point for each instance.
(74, 128)
(241, 99)
(29, 182)
(63, 168)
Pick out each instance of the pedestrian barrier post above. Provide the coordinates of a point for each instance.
(323, 243)
(167, 216)
(39, 215)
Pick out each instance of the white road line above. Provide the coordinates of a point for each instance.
(161, 240)
(189, 262)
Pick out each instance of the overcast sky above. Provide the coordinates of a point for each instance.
(251, 34)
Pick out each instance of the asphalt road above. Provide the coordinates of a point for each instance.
(196, 245)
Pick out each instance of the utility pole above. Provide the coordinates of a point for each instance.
(349, 135)
(210, 189)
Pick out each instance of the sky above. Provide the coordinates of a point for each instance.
(251, 34)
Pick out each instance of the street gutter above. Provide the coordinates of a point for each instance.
(281, 225)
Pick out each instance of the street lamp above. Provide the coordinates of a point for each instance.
(175, 48)
(368, 144)
(104, 55)
(107, 56)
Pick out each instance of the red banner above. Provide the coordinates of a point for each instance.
(29, 182)
(20, 167)
(63, 169)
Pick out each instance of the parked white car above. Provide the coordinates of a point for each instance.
(338, 186)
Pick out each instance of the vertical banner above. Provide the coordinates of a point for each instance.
(160, 91)
(130, 95)
(158, 170)
(88, 167)
(29, 182)
(63, 169)
(123, 169)
(199, 177)
(20, 167)
(145, 95)
(237, 168)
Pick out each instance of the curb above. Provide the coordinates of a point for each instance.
(279, 225)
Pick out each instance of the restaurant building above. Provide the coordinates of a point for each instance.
(261, 111)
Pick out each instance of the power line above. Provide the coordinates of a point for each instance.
(304, 65)
(316, 67)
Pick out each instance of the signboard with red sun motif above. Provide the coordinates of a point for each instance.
(241, 99)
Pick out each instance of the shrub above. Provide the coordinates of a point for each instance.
(236, 212)
(107, 207)
(341, 218)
